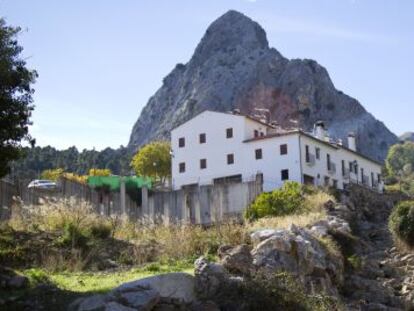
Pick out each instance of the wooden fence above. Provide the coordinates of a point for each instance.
(8, 191)
(197, 205)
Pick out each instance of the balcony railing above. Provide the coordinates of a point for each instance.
(332, 168)
(310, 159)
(346, 174)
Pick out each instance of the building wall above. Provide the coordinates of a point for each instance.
(217, 146)
(319, 167)
(272, 162)
(215, 149)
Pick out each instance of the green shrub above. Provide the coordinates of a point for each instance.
(100, 230)
(284, 201)
(401, 222)
(73, 236)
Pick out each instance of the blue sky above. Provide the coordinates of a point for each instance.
(100, 60)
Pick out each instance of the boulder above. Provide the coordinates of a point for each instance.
(237, 260)
(92, 303)
(209, 277)
(297, 251)
(139, 297)
(172, 285)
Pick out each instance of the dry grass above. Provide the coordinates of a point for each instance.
(312, 211)
(137, 243)
(283, 222)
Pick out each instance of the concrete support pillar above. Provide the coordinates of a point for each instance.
(122, 197)
(145, 208)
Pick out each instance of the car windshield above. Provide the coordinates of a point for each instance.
(45, 182)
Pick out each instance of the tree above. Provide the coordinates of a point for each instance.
(100, 172)
(15, 97)
(52, 174)
(153, 160)
(398, 156)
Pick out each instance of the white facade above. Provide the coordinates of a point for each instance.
(202, 153)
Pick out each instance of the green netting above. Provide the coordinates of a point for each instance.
(113, 183)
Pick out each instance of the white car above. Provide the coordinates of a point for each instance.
(42, 184)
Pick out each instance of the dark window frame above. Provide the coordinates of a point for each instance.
(229, 132)
(202, 138)
(181, 142)
(230, 158)
(203, 164)
(283, 149)
(284, 174)
(328, 161)
(317, 153)
(181, 167)
(258, 154)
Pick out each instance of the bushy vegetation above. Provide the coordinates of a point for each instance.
(39, 159)
(274, 291)
(153, 160)
(399, 168)
(401, 222)
(291, 199)
(16, 102)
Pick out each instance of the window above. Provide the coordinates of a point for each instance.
(351, 167)
(283, 149)
(307, 156)
(229, 132)
(203, 164)
(181, 167)
(362, 175)
(326, 181)
(335, 183)
(343, 168)
(284, 174)
(328, 161)
(318, 153)
(230, 158)
(202, 138)
(379, 178)
(258, 153)
(261, 134)
(372, 180)
(256, 133)
(181, 142)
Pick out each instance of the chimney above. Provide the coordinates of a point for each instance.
(319, 130)
(352, 141)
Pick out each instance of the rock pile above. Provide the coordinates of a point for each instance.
(368, 273)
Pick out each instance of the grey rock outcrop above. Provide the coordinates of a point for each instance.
(408, 136)
(234, 67)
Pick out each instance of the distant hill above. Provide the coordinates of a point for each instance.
(408, 136)
(234, 67)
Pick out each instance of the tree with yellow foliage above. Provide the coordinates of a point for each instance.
(154, 161)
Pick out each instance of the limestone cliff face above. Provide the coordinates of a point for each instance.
(234, 67)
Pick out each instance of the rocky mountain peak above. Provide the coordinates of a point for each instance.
(233, 67)
(233, 30)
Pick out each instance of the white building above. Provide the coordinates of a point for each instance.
(216, 147)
